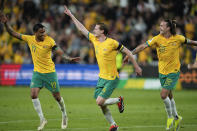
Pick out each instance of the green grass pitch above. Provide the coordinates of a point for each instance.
(144, 110)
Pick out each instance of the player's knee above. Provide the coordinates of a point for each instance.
(99, 103)
(163, 95)
(57, 98)
(34, 95)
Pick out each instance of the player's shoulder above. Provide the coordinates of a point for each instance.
(179, 36)
(112, 40)
(24, 35)
(155, 38)
(158, 36)
(91, 36)
(49, 38)
(27, 37)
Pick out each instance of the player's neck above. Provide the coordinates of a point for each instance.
(167, 35)
(38, 40)
(102, 38)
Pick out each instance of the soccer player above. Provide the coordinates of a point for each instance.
(167, 45)
(106, 50)
(44, 74)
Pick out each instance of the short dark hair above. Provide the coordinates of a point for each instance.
(103, 27)
(37, 27)
(172, 25)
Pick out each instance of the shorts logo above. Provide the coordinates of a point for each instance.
(104, 90)
(53, 85)
(32, 83)
(168, 82)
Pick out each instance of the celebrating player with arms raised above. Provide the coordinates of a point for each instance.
(106, 50)
(167, 45)
(44, 74)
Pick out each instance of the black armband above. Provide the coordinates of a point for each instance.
(55, 47)
(120, 47)
(185, 41)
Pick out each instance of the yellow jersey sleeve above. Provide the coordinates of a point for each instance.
(152, 41)
(91, 37)
(182, 39)
(117, 45)
(52, 41)
(25, 37)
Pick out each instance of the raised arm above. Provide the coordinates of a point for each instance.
(135, 51)
(9, 29)
(130, 56)
(79, 26)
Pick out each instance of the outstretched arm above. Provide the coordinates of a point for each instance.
(130, 56)
(191, 42)
(135, 51)
(79, 26)
(9, 29)
(139, 48)
(60, 52)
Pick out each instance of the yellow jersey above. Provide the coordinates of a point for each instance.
(41, 53)
(167, 52)
(106, 52)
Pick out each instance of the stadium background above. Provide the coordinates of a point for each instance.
(131, 22)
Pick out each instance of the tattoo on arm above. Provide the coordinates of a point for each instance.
(59, 51)
(66, 57)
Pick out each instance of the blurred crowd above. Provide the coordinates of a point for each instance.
(131, 22)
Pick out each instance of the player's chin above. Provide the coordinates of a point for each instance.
(42, 38)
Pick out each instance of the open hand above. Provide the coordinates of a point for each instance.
(75, 59)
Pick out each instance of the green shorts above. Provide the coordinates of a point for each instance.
(169, 81)
(104, 88)
(48, 80)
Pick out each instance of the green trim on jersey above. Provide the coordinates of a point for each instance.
(21, 37)
(88, 35)
(147, 43)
